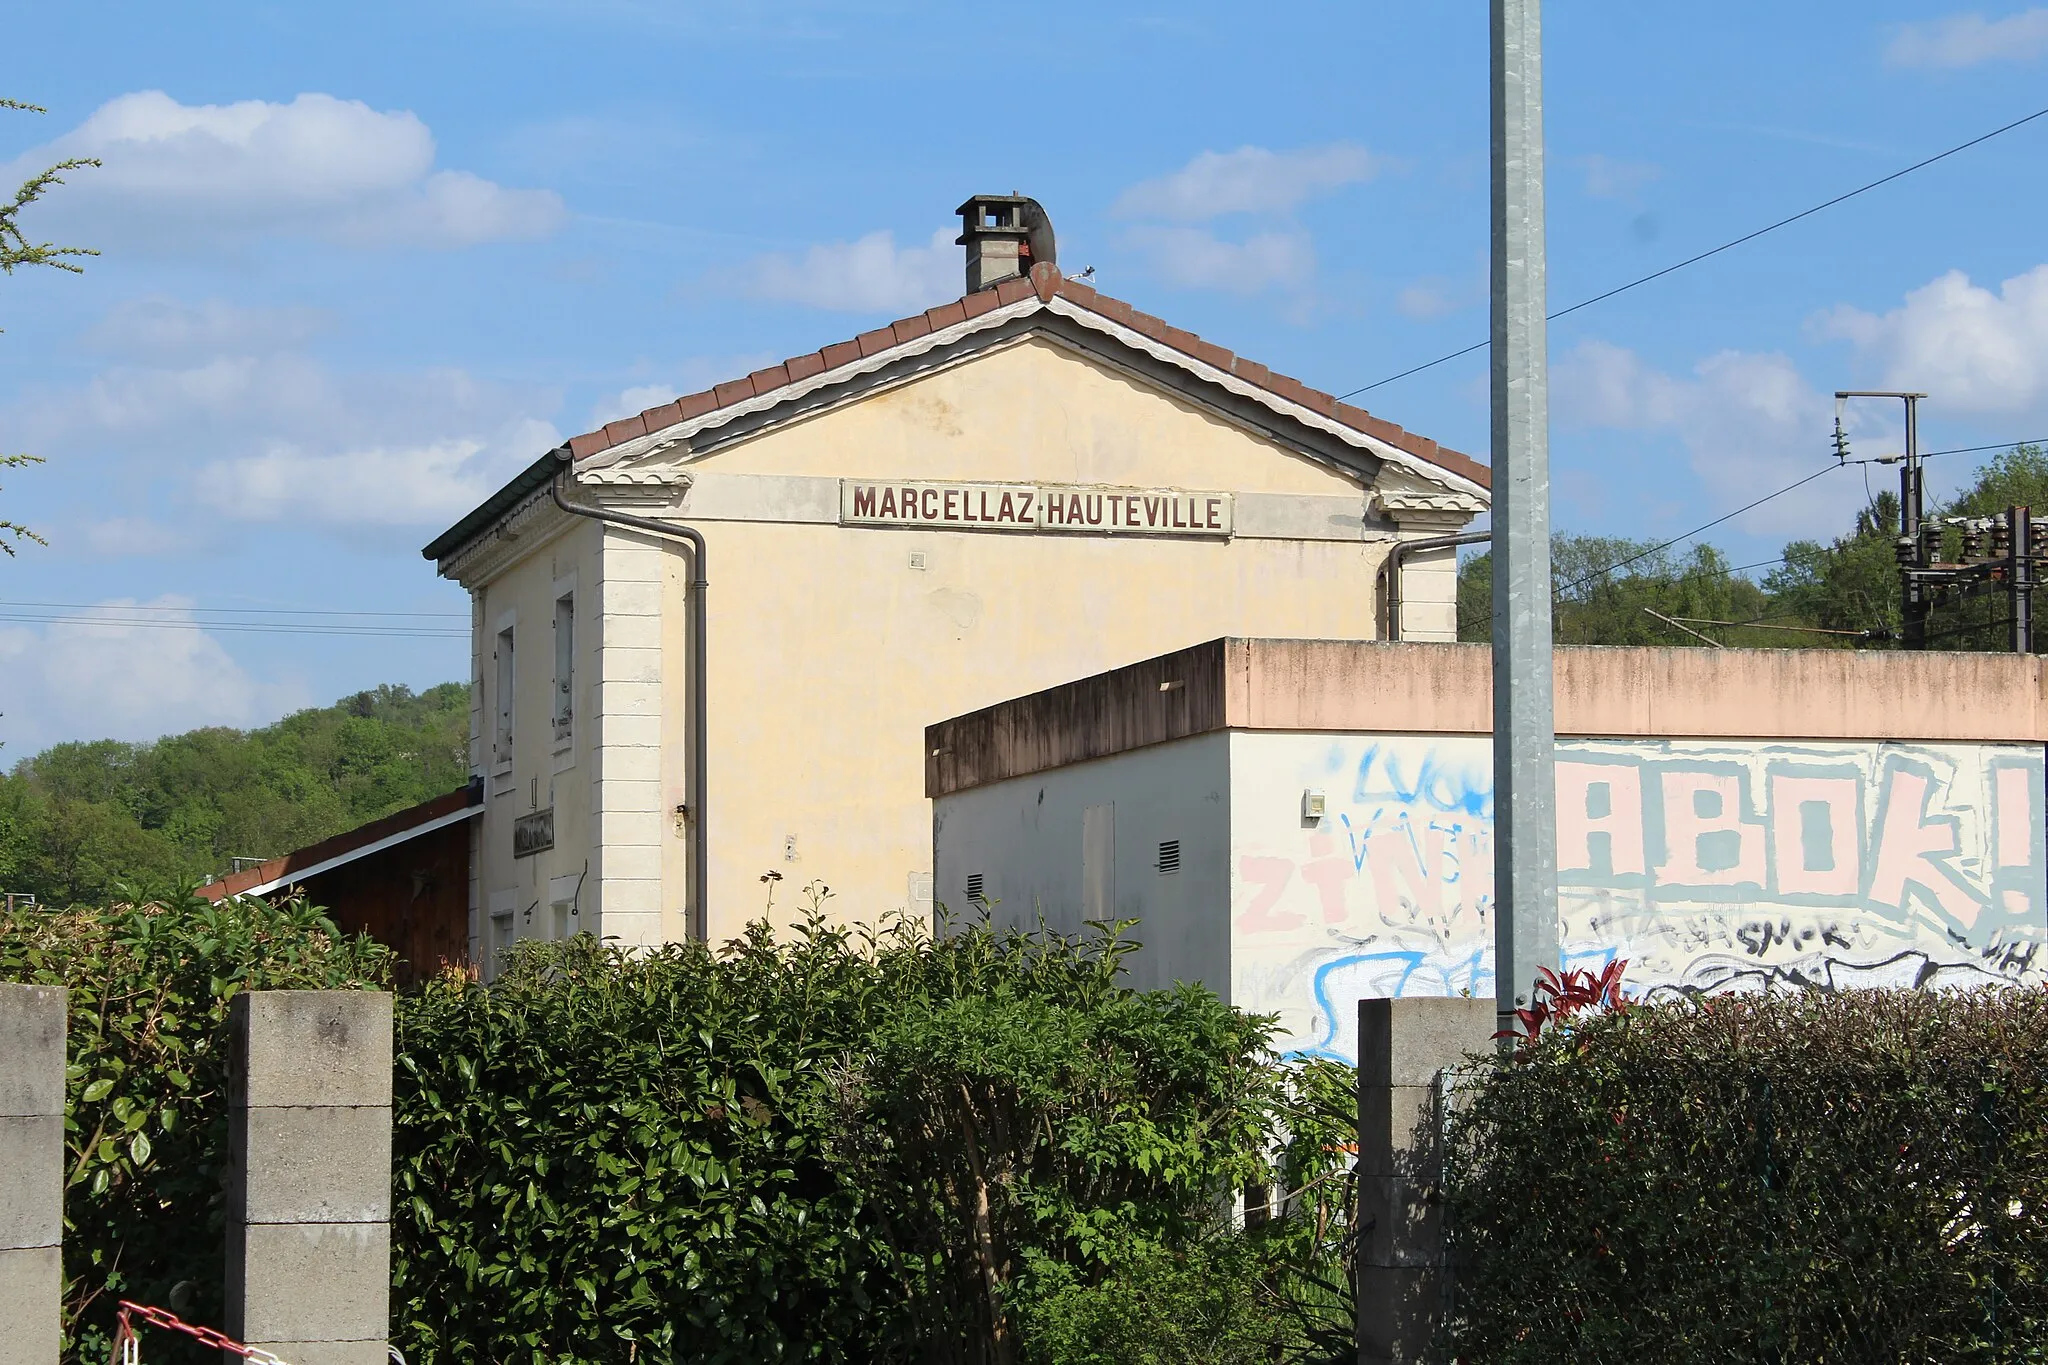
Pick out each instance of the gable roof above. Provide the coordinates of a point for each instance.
(817, 367)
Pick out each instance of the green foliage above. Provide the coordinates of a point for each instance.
(81, 818)
(18, 250)
(1212, 1304)
(146, 1122)
(1828, 1178)
(1849, 586)
(1593, 607)
(838, 1146)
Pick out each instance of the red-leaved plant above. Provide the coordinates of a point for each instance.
(1558, 998)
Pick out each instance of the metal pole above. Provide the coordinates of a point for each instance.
(2021, 579)
(1524, 735)
(1911, 509)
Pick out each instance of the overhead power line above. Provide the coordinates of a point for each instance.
(1725, 246)
(237, 611)
(240, 627)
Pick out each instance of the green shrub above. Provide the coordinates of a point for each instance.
(1853, 1177)
(1211, 1304)
(146, 1091)
(830, 1147)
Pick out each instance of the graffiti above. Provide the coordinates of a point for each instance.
(1708, 866)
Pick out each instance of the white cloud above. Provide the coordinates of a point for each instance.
(1750, 422)
(177, 176)
(379, 486)
(1960, 40)
(1248, 180)
(1195, 258)
(279, 435)
(1434, 297)
(162, 328)
(126, 681)
(868, 275)
(1608, 178)
(1972, 350)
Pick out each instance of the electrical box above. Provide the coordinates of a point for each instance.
(1311, 806)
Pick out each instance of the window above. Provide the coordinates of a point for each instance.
(1169, 857)
(565, 668)
(503, 750)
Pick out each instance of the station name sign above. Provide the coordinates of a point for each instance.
(1035, 507)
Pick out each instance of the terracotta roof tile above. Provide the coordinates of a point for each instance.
(1012, 291)
(773, 377)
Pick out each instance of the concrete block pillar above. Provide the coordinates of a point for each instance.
(31, 1173)
(309, 1198)
(1403, 1046)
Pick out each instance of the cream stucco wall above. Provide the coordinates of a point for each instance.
(830, 651)
(538, 773)
(831, 647)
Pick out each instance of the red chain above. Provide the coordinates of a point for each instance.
(124, 1332)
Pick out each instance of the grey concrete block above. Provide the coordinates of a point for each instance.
(31, 1182)
(1407, 1041)
(302, 1048)
(1398, 1130)
(325, 1352)
(1402, 1221)
(31, 1306)
(1398, 1314)
(32, 1041)
(312, 1165)
(307, 1282)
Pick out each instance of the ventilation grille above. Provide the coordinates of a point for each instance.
(1169, 857)
(975, 887)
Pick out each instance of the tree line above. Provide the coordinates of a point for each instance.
(81, 821)
(1842, 593)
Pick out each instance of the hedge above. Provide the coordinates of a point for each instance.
(146, 1089)
(1854, 1177)
(821, 1146)
(831, 1146)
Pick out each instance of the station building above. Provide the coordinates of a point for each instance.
(708, 639)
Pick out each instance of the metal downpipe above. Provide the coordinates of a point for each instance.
(1391, 570)
(698, 915)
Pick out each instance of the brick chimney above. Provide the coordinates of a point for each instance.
(1005, 235)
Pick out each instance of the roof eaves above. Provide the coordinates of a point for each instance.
(523, 484)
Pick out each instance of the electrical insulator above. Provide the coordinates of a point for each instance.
(2037, 536)
(2001, 538)
(1902, 550)
(1973, 541)
(1930, 541)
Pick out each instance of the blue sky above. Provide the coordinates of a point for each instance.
(360, 263)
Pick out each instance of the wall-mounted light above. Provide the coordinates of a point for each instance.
(1311, 806)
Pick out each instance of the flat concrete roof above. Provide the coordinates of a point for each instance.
(1378, 687)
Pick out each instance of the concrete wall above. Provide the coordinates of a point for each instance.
(32, 1044)
(1034, 843)
(309, 1182)
(1706, 864)
(539, 773)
